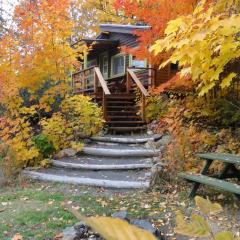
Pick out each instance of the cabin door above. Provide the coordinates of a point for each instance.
(103, 60)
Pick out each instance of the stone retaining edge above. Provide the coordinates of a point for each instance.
(86, 181)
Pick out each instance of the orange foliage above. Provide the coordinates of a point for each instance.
(37, 51)
(155, 13)
(177, 83)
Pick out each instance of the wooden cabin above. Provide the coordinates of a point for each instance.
(114, 79)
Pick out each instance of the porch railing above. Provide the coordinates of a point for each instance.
(147, 76)
(89, 81)
(83, 81)
(132, 76)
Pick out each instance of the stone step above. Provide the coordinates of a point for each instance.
(138, 139)
(120, 151)
(128, 129)
(108, 179)
(97, 163)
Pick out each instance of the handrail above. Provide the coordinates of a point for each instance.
(142, 68)
(102, 81)
(138, 82)
(84, 70)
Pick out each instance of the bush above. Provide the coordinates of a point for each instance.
(156, 107)
(78, 118)
(192, 132)
(43, 144)
(84, 117)
(214, 112)
(57, 131)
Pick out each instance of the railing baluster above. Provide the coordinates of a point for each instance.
(143, 107)
(95, 83)
(128, 84)
(144, 92)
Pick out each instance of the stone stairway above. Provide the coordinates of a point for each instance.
(108, 161)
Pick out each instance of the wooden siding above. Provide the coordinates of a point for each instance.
(162, 75)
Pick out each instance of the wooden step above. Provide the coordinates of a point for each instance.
(213, 182)
(127, 129)
(126, 122)
(123, 107)
(119, 102)
(125, 117)
(120, 96)
(122, 111)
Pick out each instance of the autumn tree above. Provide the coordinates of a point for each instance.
(205, 44)
(36, 52)
(88, 14)
(156, 14)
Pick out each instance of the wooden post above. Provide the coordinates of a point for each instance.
(153, 85)
(104, 106)
(143, 107)
(73, 84)
(95, 82)
(128, 82)
(84, 80)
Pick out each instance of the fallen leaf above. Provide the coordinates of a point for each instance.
(58, 236)
(18, 236)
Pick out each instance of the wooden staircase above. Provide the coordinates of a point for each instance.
(121, 112)
(124, 117)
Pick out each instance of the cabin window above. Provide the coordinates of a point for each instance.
(91, 63)
(137, 63)
(118, 64)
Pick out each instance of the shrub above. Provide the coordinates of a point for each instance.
(84, 117)
(57, 131)
(17, 149)
(78, 118)
(217, 111)
(197, 126)
(156, 107)
(43, 144)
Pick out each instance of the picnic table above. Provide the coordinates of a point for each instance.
(230, 170)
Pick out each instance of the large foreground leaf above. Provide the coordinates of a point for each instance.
(225, 236)
(117, 229)
(206, 206)
(113, 228)
(197, 227)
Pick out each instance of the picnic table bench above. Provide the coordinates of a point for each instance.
(229, 170)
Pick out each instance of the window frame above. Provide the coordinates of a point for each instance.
(131, 62)
(124, 68)
(90, 61)
(104, 54)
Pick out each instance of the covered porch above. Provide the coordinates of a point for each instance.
(114, 80)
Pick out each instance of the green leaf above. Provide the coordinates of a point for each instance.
(117, 229)
(227, 81)
(197, 227)
(207, 207)
(225, 236)
(174, 25)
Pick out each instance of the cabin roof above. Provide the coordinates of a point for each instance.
(100, 41)
(119, 28)
(100, 44)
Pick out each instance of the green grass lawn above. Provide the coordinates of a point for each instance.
(35, 210)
